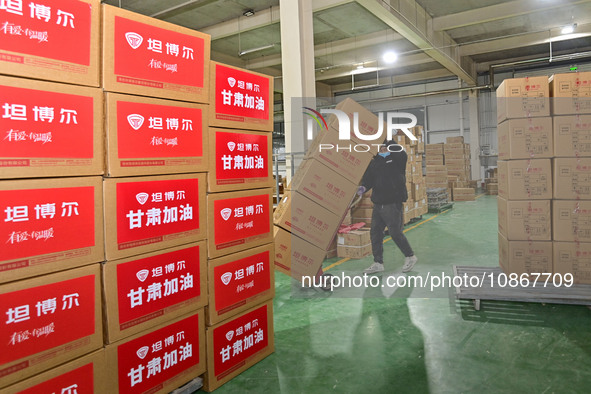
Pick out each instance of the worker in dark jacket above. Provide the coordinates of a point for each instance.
(386, 175)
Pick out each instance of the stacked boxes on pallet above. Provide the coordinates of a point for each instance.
(457, 161)
(416, 185)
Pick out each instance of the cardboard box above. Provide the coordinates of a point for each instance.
(353, 252)
(455, 155)
(306, 219)
(66, 305)
(158, 360)
(354, 238)
(572, 136)
(50, 225)
(296, 257)
(340, 156)
(42, 121)
(571, 93)
(573, 258)
(525, 220)
(463, 194)
(530, 138)
(145, 291)
(368, 124)
(433, 149)
(240, 99)
(150, 57)
(238, 221)
(33, 47)
(523, 98)
(436, 170)
(324, 186)
(525, 257)
(365, 202)
(571, 221)
(455, 140)
(239, 160)
(525, 179)
(144, 214)
(253, 329)
(148, 136)
(572, 178)
(362, 212)
(83, 375)
(238, 282)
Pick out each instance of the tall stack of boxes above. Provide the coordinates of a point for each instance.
(457, 160)
(115, 269)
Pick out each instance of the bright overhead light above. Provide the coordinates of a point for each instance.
(568, 29)
(360, 67)
(248, 13)
(390, 57)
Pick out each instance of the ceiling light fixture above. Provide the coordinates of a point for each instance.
(390, 57)
(248, 13)
(247, 51)
(360, 67)
(569, 29)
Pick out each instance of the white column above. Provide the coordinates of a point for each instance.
(474, 135)
(298, 77)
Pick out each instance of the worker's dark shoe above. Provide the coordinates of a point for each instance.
(409, 262)
(375, 267)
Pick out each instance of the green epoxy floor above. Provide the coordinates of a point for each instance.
(413, 341)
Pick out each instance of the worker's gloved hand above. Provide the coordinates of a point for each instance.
(361, 190)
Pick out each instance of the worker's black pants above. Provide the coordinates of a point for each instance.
(389, 215)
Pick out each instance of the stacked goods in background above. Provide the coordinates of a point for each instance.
(491, 183)
(456, 155)
(240, 274)
(52, 227)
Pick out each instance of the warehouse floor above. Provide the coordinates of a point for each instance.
(410, 340)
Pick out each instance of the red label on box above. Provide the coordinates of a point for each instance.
(37, 123)
(240, 156)
(42, 221)
(241, 218)
(148, 286)
(239, 280)
(41, 29)
(154, 209)
(154, 54)
(146, 363)
(80, 380)
(148, 130)
(239, 339)
(241, 93)
(44, 317)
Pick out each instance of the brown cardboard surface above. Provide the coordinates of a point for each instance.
(362, 212)
(530, 138)
(525, 257)
(525, 220)
(245, 179)
(117, 250)
(570, 93)
(525, 179)
(368, 123)
(154, 139)
(353, 252)
(572, 136)
(324, 186)
(296, 257)
(114, 272)
(223, 83)
(89, 373)
(158, 30)
(42, 360)
(145, 340)
(30, 65)
(229, 200)
(26, 162)
(571, 221)
(436, 170)
(454, 140)
(29, 262)
(228, 264)
(572, 178)
(573, 258)
(434, 149)
(354, 238)
(523, 98)
(306, 219)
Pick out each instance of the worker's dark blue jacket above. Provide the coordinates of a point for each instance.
(387, 178)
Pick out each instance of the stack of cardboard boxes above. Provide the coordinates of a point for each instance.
(492, 183)
(448, 166)
(544, 189)
(416, 184)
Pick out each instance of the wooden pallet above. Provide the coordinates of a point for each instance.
(576, 294)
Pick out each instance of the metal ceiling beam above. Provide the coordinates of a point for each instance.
(403, 79)
(485, 66)
(497, 12)
(413, 23)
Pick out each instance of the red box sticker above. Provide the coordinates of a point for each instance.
(154, 54)
(147, 210)
(240, 280)
(45, 317)
(80, 380)
(241, 218)
(240, 156)
(145, 287)
(241, 94)
(146, 363)
(148, 130)
(41, 29)
(42, 221)
(37, 123)
(239, 339)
